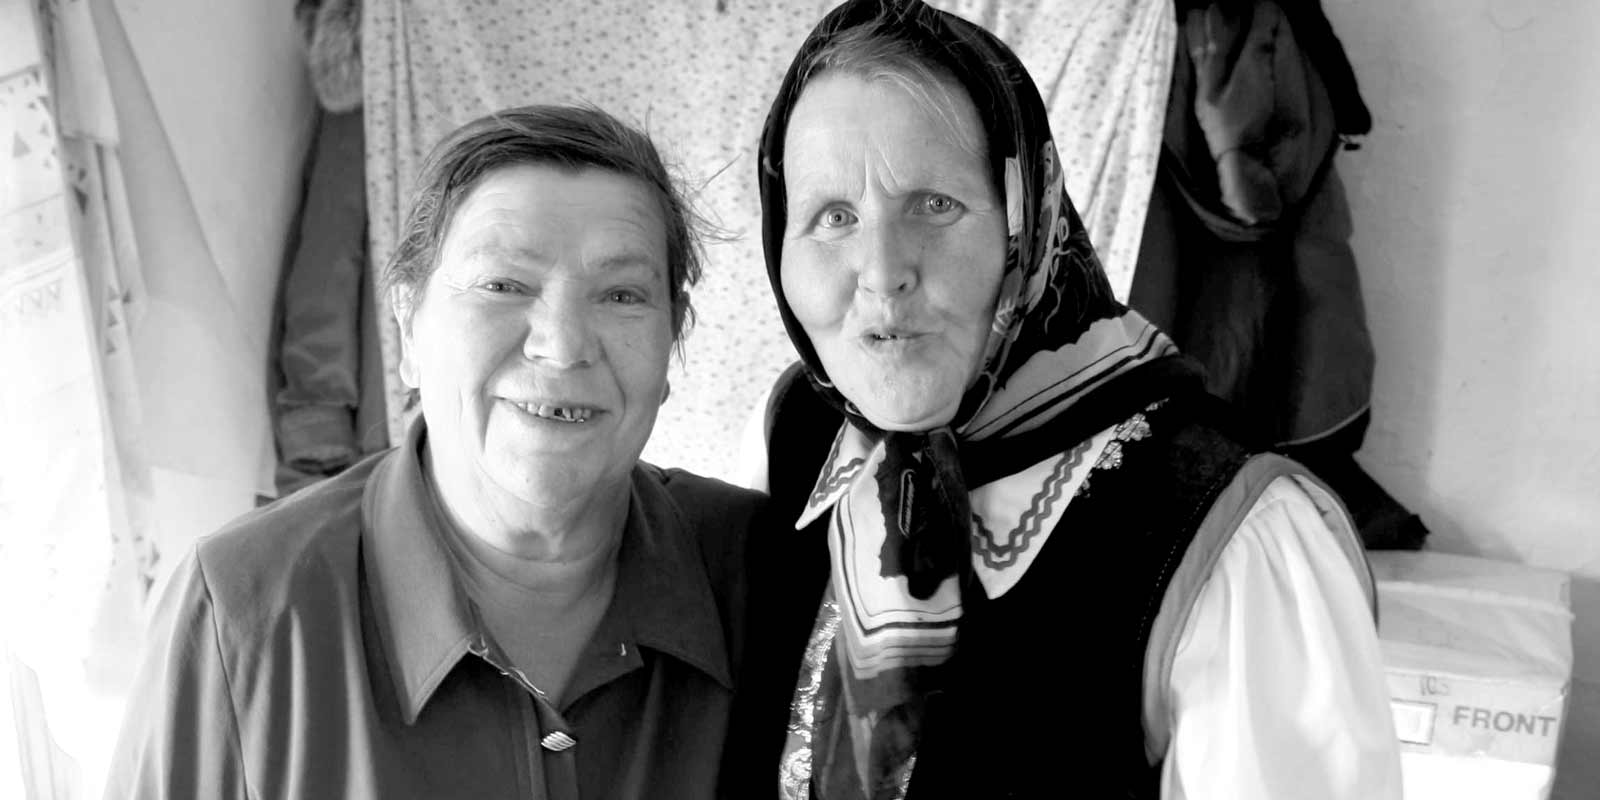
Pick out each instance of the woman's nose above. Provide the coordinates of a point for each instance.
(560, 333)
(888, 262)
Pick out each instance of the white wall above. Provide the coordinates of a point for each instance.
(1477, 218)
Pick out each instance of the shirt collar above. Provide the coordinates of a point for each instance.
(427, 622)
(1013, 515)
(424, 617)
(849, 454)
(663, 591)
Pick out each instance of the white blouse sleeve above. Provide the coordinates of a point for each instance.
(1277, 687)
(750, 463)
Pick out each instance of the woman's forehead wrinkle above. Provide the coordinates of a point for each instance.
(832, 150)
(878, 167)
(621, 256)
(496, 250)
(638, 224)
(640, 210)
(501, 235)
(932, 163)
(819, 168)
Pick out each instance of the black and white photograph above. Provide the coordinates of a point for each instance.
(799, 399)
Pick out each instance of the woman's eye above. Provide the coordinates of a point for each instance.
(939, 204)
(837, 218)
(624, 296)
(496, 286)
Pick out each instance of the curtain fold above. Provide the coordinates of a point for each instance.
(133, 417)
(71, 545)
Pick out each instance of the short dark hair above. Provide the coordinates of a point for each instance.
(573, 137)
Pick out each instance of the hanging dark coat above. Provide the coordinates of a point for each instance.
(1246, 257)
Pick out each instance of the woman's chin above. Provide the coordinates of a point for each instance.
(910, 415)
(906, 394)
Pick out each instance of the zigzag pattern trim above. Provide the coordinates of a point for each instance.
(998, 555)
(830, 481)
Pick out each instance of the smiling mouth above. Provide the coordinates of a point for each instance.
(558, 413)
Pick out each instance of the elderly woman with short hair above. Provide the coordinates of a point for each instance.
(508, 604)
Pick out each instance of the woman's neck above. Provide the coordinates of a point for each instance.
(559, 554)
(541, 586)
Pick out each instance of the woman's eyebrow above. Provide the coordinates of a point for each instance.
(495, 251)
(631, 259)
(531, 256)
(804, 200)
(805, 186)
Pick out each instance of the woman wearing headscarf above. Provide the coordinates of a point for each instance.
(1028, 558)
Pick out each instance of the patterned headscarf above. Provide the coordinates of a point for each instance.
(1052, 293)
(1059, 341)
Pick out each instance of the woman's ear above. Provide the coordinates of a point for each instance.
(402, 305)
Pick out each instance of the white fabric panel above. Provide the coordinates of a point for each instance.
(227, 83)
(134, 418)
(69, 584)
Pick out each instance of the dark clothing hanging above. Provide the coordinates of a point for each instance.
(1246, 257)
(320, 353)
(328, 407)
(1314, 36)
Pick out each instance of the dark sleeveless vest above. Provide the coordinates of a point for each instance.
(1046, 689)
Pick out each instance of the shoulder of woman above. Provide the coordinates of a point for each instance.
(1275, 537)
(1278, 500)
(1273, 501)
(1274, 507)
(264, 561)
(703, 500)
(719, 521)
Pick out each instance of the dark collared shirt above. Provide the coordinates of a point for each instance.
(324, 647)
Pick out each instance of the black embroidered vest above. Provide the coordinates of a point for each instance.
(1046, 694)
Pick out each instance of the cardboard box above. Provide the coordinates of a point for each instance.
(1479, 661)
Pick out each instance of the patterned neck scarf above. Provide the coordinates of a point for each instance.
(903, 537)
